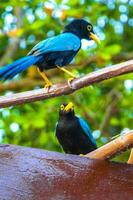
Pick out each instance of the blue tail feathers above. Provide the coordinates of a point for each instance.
(9, 71)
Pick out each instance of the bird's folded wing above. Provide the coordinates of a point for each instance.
(62, 42)
(56, 126)
(86, 129)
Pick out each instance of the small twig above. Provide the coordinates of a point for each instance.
(117, 58)
(113, 148)
(64, 89)
(27, 83)
(113, 97)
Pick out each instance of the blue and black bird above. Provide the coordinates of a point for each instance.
(54, 52)
(73, 133)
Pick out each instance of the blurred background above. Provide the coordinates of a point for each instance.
(106, 106)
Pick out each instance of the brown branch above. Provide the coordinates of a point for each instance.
(21, 84)
(64, 89)
(121, 57)
(35, 80)
(31, 82)
(113, 148)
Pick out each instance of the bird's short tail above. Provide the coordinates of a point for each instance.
(9, 71)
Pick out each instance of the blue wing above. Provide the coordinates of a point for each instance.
(86, 129)
(62, 42)
(56, 126)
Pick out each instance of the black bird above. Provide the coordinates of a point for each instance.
(73, 133)
(54, 52)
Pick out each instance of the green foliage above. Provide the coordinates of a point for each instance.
(106, 106)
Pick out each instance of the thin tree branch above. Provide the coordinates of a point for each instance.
(121, 57)
(113, 148)
(64, 88)
(115, 96)
(130, 160)
(27, 83)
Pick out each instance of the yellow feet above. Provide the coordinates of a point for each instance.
(69, 73)
(70, 80)
(46, 80)
(48, 85)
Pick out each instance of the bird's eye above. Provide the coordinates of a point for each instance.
(62, 107)
(89, 27)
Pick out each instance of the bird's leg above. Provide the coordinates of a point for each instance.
(47, 81)
(66, 71)
(69, 73)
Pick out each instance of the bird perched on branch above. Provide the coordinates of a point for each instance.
(73, 133)
(54, 52)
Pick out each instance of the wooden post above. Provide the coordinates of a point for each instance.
(34, 174)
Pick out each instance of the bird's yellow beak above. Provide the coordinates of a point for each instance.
(95, 38)
(69, 106)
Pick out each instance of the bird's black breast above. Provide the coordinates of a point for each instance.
(72, 137)
(52, 59)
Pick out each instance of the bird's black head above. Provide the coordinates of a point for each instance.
(66, 110)
(83, 29)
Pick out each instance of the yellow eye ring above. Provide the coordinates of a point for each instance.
(89, 27)
(62, 107)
